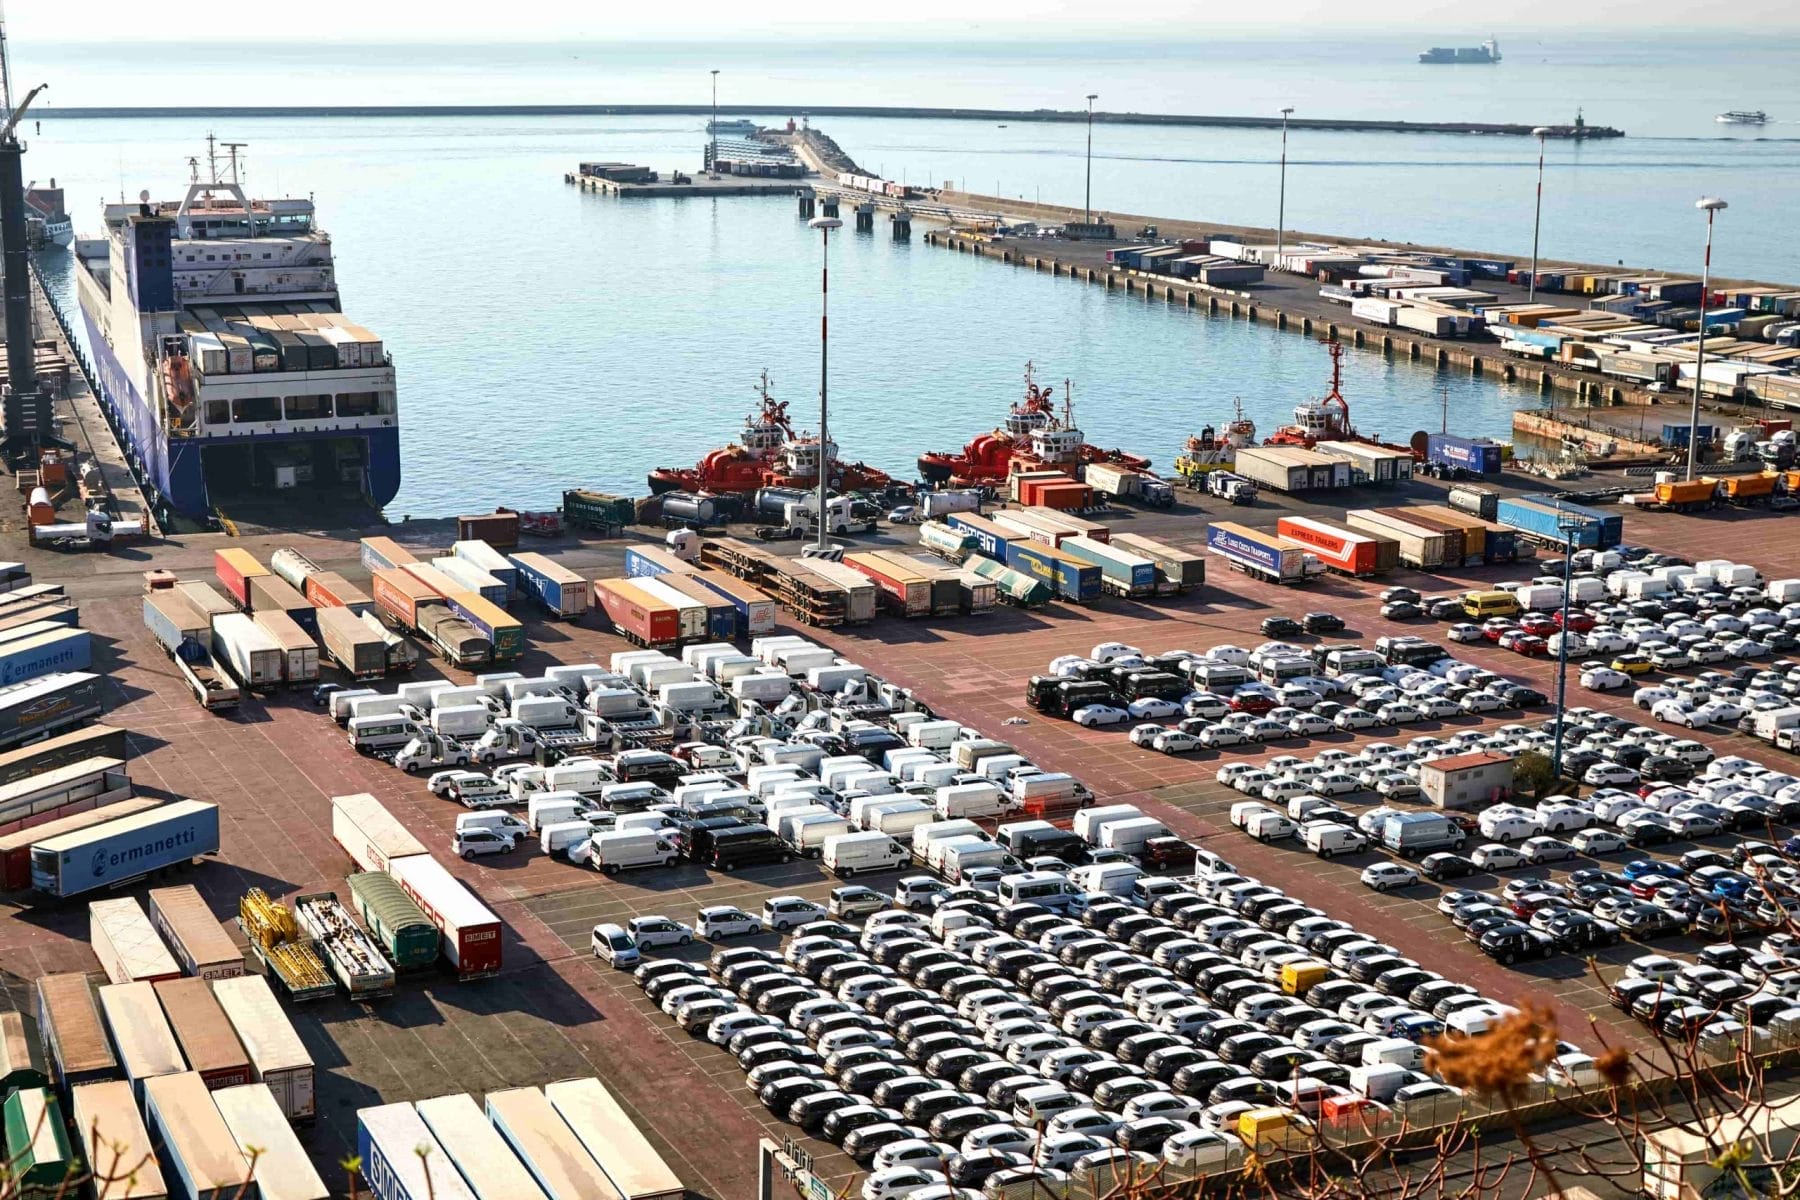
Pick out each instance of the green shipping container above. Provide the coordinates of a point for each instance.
(597, 510)
(37, 1145)
(397, 923)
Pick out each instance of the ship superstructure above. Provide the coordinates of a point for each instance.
(225, 356)
(1034, 436)
(1487, 52)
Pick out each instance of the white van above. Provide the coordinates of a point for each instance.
(1047, 888)
(960, 858)
(623, 849)
(341, 702)
(1112, 879)
(390, 732)
(933, 735)
(848, 853)
(1378, 1081)
(1476, 1019)
(547, 808)
(1129, 835)
(1326, 838)
(809, 834)
(1089, 821)
(937, 850)
(560, 837)
(1400, 1052)
(931, 831)
(498, 822)
(970, 800)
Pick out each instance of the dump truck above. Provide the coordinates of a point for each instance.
(1684, 495)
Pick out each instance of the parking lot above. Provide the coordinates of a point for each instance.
(272, 768)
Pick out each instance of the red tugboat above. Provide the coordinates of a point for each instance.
(1032, 437)
(1328, 418)
(770, 454)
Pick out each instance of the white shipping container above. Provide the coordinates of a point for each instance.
(258, 1125)
(127, 945)
(140, 1032)
(395, 1144)
(470, 931)
(547, 1146)
(369, 833)
(179, 1113)
(487, 1163)
(107, 1122)
(278, 1058)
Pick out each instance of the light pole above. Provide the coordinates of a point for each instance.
(1570, 525)
(1537, 216)
(1710, 205)
(1281, 203)
(1088, 203)
(824, 225)
(712, 157)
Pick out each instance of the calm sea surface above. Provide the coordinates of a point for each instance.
(547, 338)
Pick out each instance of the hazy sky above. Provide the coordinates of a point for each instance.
(698, 20)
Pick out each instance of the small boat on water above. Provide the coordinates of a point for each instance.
(1743, 116)
(1209, 451)
(1033, 436)
(769, 453)
(1326, 419)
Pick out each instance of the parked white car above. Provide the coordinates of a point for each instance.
(1093, 715)
(1385, 877)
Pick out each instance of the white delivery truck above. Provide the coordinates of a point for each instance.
(460, 720)
(1130, 834)
(902, 817)
(808, 834)
(934, 735)
(846, 854)
(963, 800)
(1090, 821)
(548, 808)
(930, 832)
(938, 852)
(624, 849)
(960, 856)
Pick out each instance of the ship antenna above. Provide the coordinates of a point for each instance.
(5, 70)
(212, 158)
(234, 147)
(1068, 403)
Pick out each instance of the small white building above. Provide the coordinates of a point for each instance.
(1467, 780)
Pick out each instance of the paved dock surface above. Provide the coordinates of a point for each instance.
(272, 767)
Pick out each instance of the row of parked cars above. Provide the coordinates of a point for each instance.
(1736, 994)
(986, 1044)
(1280, 691)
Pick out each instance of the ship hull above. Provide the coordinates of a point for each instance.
(175, 468)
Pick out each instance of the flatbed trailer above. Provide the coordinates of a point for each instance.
(351, 955)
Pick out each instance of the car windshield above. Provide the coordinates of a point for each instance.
(618, 941)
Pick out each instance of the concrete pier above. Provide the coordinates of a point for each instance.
(786, 111)
(698, 186)
(1293, 311)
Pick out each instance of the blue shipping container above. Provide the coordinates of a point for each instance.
(639, 563)
(1072, 580)
(66, 650)
(1538, 516)
(394, 1143)
(1471, 454)
(539, 579)
(118, 851)
(1677, 435)
(1500, 545)
(990, 540)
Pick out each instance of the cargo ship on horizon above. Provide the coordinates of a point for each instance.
(225, 359)
(1487, 52)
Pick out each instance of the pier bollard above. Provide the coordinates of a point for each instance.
(865, 217)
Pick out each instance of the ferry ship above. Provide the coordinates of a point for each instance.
(1487, 52)
(226, 359)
